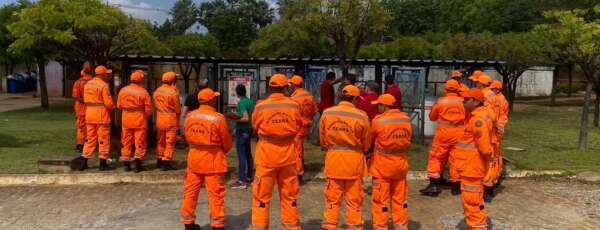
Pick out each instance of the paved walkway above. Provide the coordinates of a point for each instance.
(9, 102)
(522, 204)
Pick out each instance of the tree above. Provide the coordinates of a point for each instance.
(235, 22)
(7, 16)
(576, 34)
(406, 47)
(350, 24)
(193, 45)
(183, 15)
(291, 38)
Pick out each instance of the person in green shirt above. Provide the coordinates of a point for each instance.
(243, 134)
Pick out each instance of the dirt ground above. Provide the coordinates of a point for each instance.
(9, 102)
(522, 204)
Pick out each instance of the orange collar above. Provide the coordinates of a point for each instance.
(276, 95)
(298, 91)
(347, 104)
(207, 107)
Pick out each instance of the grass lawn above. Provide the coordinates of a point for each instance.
(550, 137)
(548, 134)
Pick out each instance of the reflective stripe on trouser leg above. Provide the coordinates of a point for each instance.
(104, 141)
(333, 202)
(171, 140)
(473, 204)
(262, 191)
(126, 143)
(288, 187)
(140, 143)
(81, 130)
(191, 189)
(215, 187)
(437, 159)
(399, 193)
(379, 203)
(92, 140)
(355, 195)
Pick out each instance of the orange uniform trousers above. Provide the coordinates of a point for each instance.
(215, 187)
(383, 190)
(167, 138)
(97, 134)
(80, 129)
(445, 139)
(262, 191)
(354, 196)
(300, 158)
(130, 138)
(473, 204)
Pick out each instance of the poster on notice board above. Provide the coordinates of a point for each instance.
(237, 78)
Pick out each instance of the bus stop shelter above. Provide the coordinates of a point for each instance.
(412, 76)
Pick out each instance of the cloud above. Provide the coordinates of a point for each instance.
(142, 10)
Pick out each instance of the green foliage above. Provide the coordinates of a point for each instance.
(291, 38)
(413, 47)
(183, 15)
(234, 22)
(8, 16)
(194, 45)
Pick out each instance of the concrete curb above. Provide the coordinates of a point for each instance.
(157, 177)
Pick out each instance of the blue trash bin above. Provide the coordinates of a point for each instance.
(11, 85)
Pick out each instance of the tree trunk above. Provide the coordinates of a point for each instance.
(583, 130)
(513, 94)
(597, 110)
(43, 87)
(569, 93)
(554, 86)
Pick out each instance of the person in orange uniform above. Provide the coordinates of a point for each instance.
(77, 94)
(473, 152)
(277, 120)
(99, 105)
(500, 110)
(209, 138)
(308, 108)
(449, 112)
(345, 133)
(134, 101)
(392, 133)
(457, 75)
(168, 108)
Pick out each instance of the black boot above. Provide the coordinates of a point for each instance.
(159, 163)
(432, 189)
(301, 180)
(455, 189)
(79, 148)
(192, 227)
(138, 166)
(104, 165)
(82, 163)
(166, 166)
(127, 165)
(488, 193)
(218, 228)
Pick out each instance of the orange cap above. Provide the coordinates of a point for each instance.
(351, 90)
(207, 95)
(476, 74)
(496, 84)
(278, 80)
(463, 88)
(296, 80)
(452, 85)
(456, 74)
(137, 76)
(86, 68)
(102, 70)
(484, 79)
(385, 99)
(169, 76)
(474, 93)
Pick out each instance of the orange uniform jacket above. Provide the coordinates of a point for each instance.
(392, 134)
(78, 93)
(166, 102)
(135, 102)
(98, 101)
(277, 120)
(209, 138)
(345, 132)
(308, 107)
(475, 147)
(448, 110)
(502, 111)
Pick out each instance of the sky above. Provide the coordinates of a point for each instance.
(153, 10)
